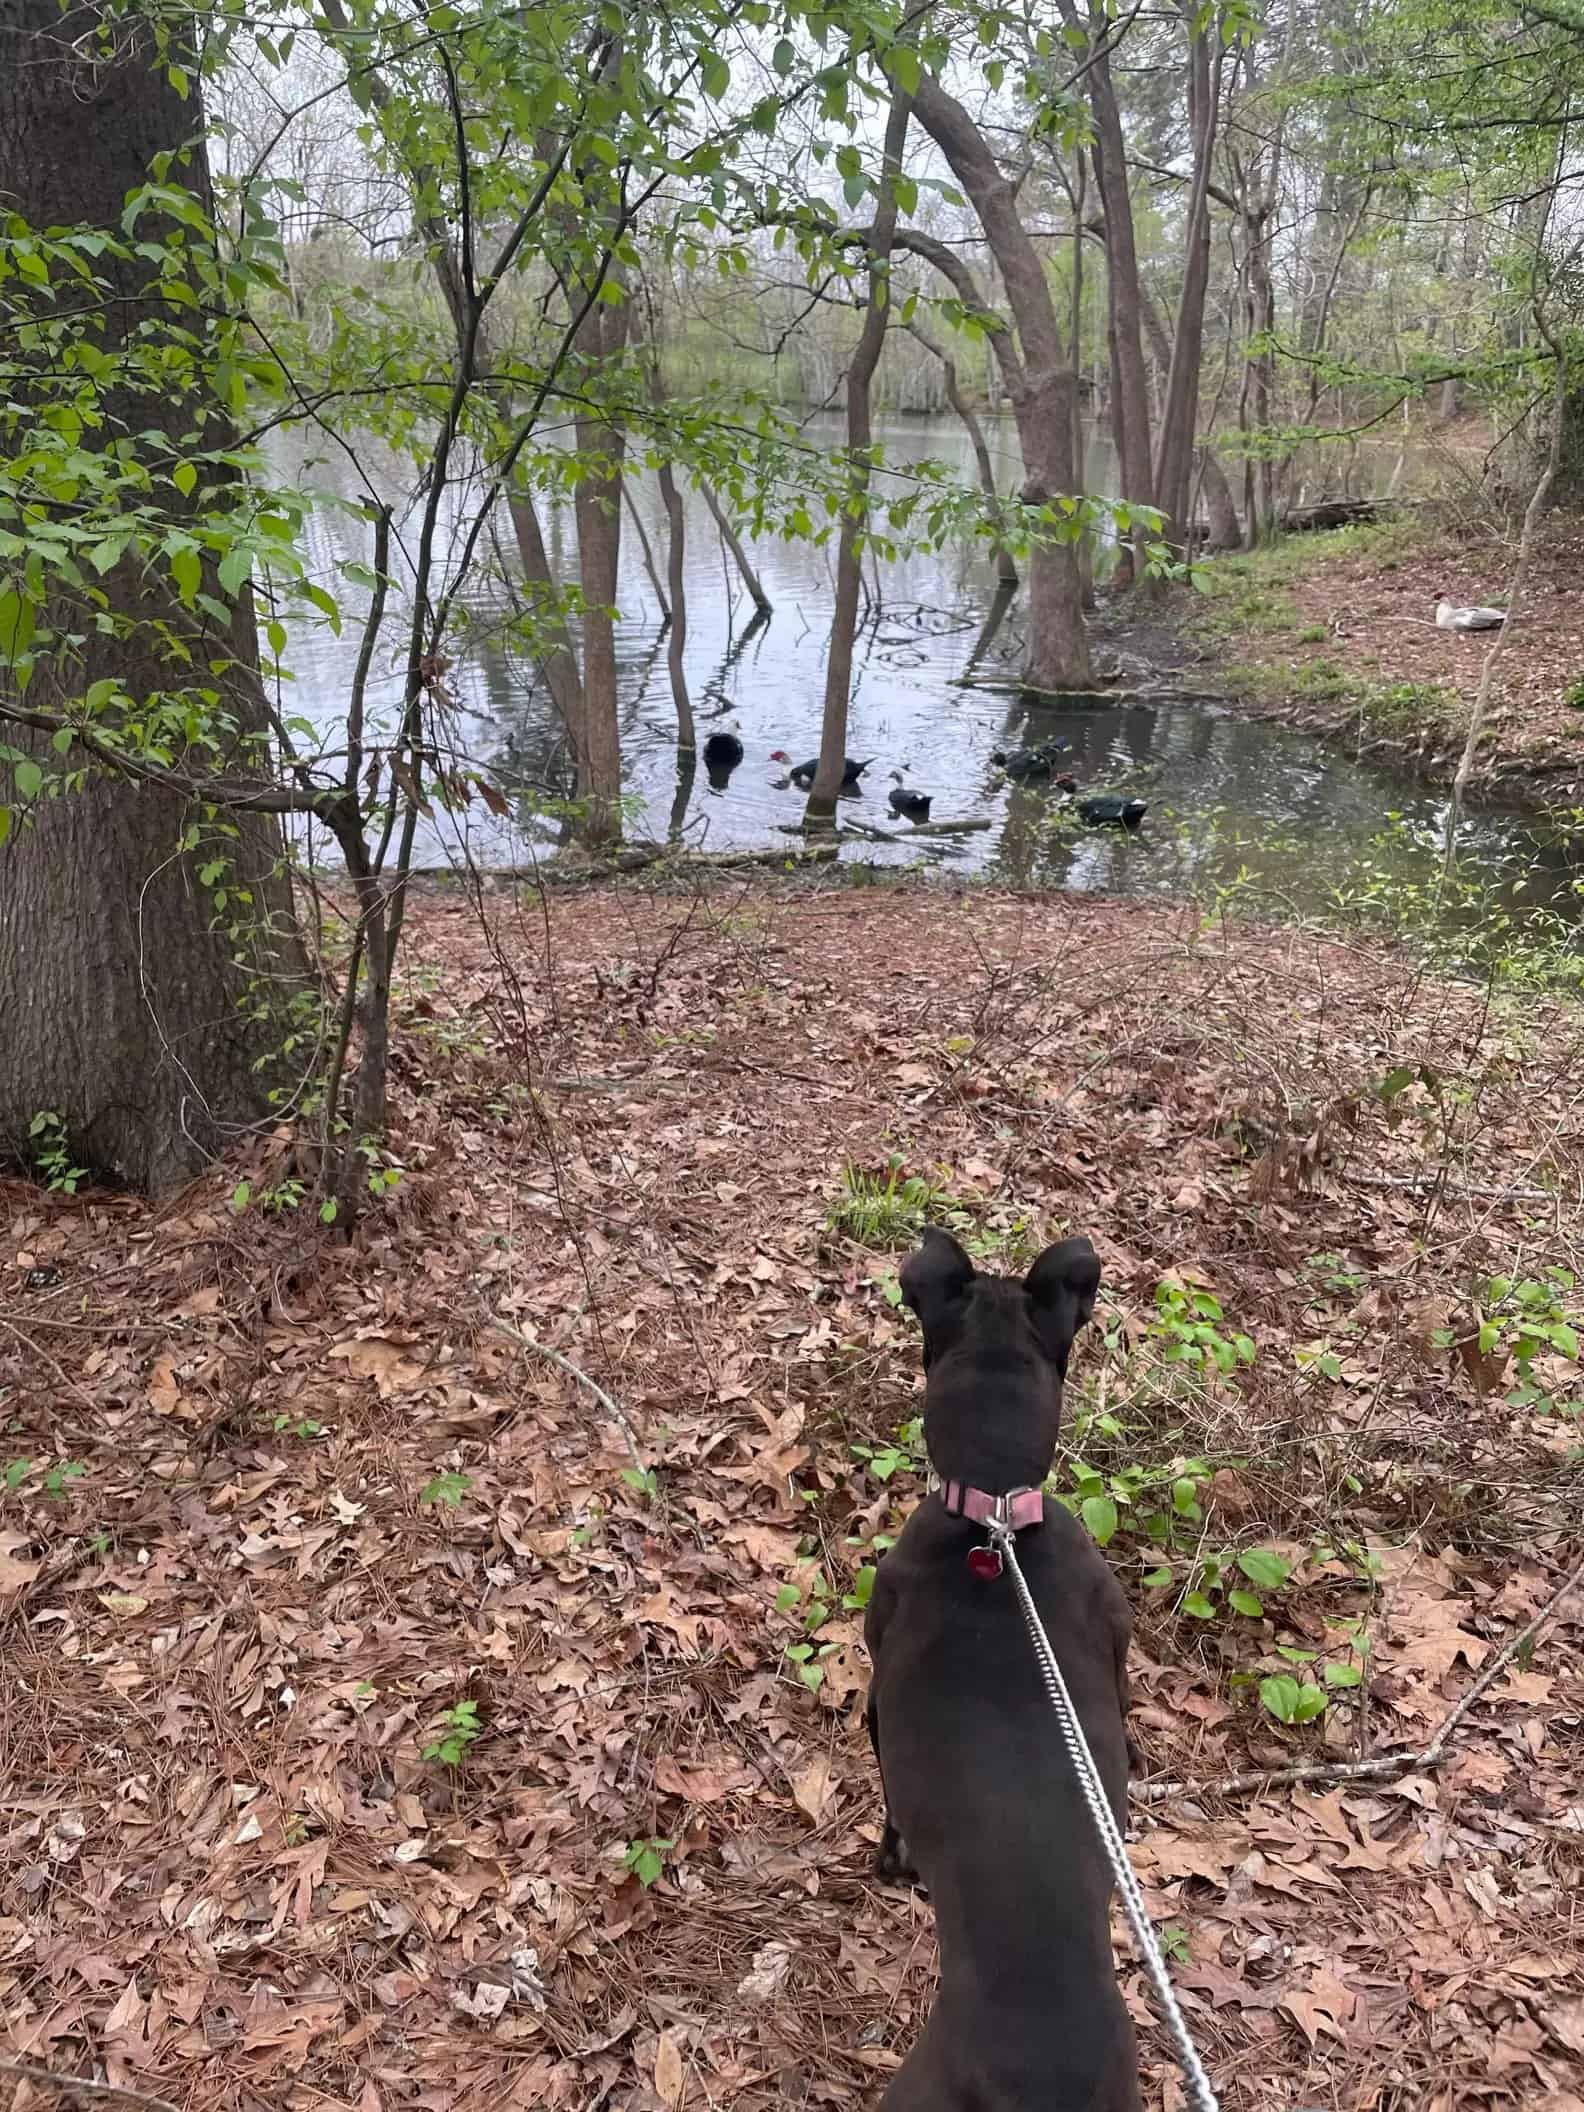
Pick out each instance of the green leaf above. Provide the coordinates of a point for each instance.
(16, 625)
(1264, 1568)
(1342, 1675)
(29, 778)
(327, 1211)
(236, 568)
(786, 1598)
(1311, 1703)
(5, 823)
(1278, 1694)
(1199, 1606)
(186, 570)
(715, 76)
(185, 478)
(1245, 1602)
(1153, 1579)
(1099, 1514)
(327, 604)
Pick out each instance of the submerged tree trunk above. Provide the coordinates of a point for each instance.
(1040, 383)
(849, 553)
(596, 737)
(676, 549)
(1006, 568)
(734, 543)
(145, 1018)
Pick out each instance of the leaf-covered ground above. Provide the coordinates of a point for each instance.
(277, 1504)
(1337, 632)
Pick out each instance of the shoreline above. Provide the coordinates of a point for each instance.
(1326, 632)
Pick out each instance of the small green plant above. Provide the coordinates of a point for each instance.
(811, 1602)
(1573, 695)
(1524, 1318)
(884, 1462)
(642, 1481)
(646, 1859)
(287, 1425)
(1289, 1700)
(57, 1477)
(446, 1489)
(885, 1209)
(51, 1155)
(1186, 1329)
(456, 1731)
(1173, 1939)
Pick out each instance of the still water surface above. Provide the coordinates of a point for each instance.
(1226, 795)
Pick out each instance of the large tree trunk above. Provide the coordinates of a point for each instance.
(1040, 383)
(1180, 412)
(1129, 391)
(831, 768)
(127, 1004)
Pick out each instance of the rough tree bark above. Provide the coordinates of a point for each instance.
(1180, 411)
(124, 1001)
(1039, 379)
(849, 553)
(1129, 391)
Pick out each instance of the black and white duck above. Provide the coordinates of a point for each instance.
(906, 803)
(1042, 759)
(1449, 617)
(802, 774)
(1110, 810)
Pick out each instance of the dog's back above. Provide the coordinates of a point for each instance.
(978, 1783)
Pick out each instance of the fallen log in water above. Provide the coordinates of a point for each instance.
(635, 858)
(866, 831)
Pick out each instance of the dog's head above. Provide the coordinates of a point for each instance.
(996, 1349)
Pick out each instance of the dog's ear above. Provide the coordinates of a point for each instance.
(936, 1279)
(1061, 1290)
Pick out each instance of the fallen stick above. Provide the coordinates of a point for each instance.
(1461, 1189)
(1388, 1766)
(80, 2086)
(617, 1414)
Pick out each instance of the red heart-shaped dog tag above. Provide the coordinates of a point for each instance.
(985, 1561)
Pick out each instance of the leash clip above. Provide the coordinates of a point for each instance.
(987, 1562)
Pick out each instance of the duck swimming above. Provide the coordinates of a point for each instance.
(803, 774)
(905, 802)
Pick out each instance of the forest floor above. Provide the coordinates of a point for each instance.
(1336, 632)
(391, 1719)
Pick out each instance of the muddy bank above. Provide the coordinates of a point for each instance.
(1335, 633)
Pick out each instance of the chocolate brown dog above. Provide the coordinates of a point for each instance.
(981, 1802)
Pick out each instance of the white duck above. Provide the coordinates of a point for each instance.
(1449, 617)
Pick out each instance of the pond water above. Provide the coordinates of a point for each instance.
(1227, 796)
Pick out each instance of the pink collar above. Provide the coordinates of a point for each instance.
(1017, 1508)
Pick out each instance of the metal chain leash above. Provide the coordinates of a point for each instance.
(1200, 2094)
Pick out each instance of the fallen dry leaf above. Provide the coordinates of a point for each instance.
(670, 2077)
